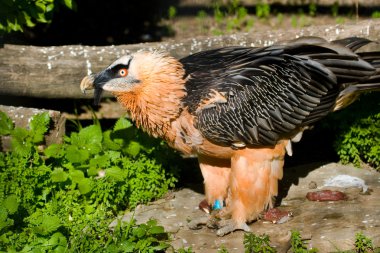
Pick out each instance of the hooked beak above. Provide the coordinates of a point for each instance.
(87, 83)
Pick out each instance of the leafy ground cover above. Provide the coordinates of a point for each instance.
(357, 131)
(63, 198)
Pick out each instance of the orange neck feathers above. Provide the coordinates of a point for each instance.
(156, 101)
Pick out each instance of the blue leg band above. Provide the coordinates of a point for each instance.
(217, 205)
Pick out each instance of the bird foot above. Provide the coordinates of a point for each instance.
(228, 226)
(210, 221)
(223, 226)
(198, 223)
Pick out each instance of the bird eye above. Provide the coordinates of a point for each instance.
(123, 72)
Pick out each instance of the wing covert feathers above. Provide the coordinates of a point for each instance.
(256, 96)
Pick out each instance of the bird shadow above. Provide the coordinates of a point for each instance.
(292, 176)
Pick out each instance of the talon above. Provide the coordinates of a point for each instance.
(229, 226)
(205, 207)
(198, 222)
(213, 223)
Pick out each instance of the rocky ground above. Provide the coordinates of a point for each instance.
(330, 226)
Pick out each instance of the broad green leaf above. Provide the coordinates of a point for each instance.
(113, 156)
(89, 209)
(116, 173)
(161, 247)
(84, 185)
(69, 4)
(58, 175)
(133, 148)
(75, 155)
(157, 230)
(122, 123)
(3, 214)
(60, 249)
(151, 222)
(6, 124)
(139, 232)
(92, 171)
(39, 125)
(2, 159)
(129, 246)
(50, 7)
(101, 161)
(58, 239)
(91, 138)
(91, 134)
(41, 6)
(20, 143)
(4, 220)
(50, 223)
(76, 176)
(54, 150)
(28, 20)
(110, 143)
(11, 204)
(41, 18)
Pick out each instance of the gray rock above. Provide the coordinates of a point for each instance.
(330, 226)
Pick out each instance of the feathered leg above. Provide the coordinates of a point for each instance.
(216, 175)
(253, 184)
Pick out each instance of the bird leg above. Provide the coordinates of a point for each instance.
(253, 184)
(216, 175)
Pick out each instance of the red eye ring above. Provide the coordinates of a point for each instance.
(123, 72)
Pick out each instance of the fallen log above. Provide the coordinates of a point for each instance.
(55, 72)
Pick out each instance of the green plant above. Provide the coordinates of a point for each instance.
(15, 15)
(222, 249)
(172, 12)
(257, 244)
(201, 15)
(236, 18)
(303, 20)
(218, 14)
(312, 9)
(340, 20)
(233, 6)
(294, 21)
(236, 22)
(262, 10)
(363, 244)
(361, 142)
(335, 9)
(185, 250)
(201, 19)
(280, 18)
(298, 246)
(357, 130)
(65, 197)
(375, 14)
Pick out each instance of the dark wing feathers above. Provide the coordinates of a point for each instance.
(271, 92)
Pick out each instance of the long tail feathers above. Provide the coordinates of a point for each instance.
(352, 91)
(353, 43)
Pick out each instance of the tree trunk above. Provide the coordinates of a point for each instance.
(55, 72)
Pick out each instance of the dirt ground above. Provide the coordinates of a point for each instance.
(186, 26)
(193, 18)
(328, 226)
